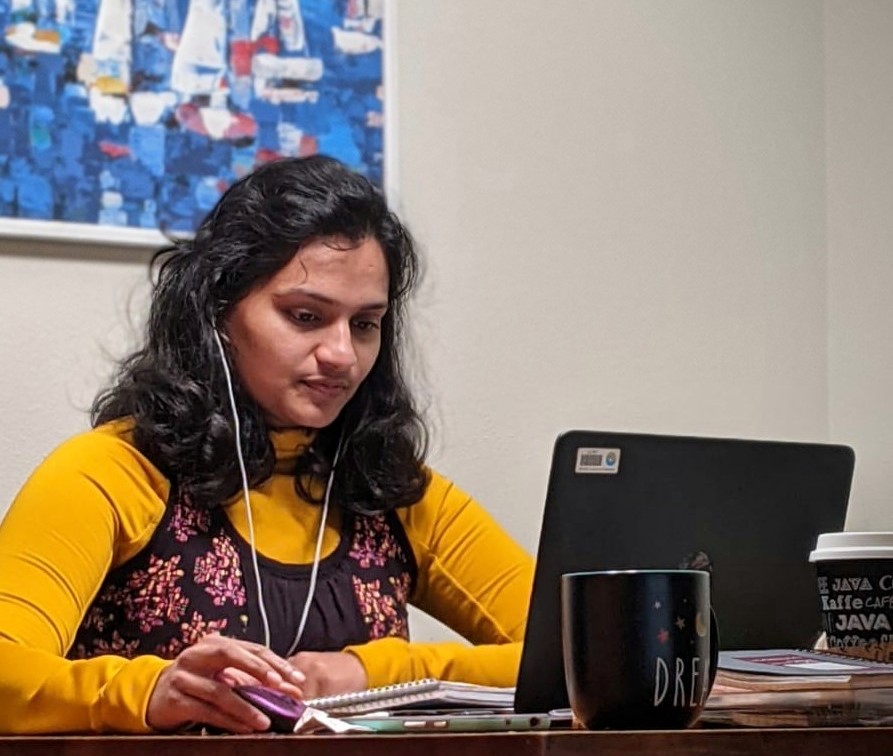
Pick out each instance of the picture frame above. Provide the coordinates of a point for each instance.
(271, 99)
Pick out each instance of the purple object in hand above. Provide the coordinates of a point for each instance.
(283, 711)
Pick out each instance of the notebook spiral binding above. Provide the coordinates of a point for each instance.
(382, 693)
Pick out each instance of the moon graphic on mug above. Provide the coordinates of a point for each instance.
(700, 627)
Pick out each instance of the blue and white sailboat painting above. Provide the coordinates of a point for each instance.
(141, 112)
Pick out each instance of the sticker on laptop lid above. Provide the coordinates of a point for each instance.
(597, 461)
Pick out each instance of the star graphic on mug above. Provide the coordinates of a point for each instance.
(657, 604)
(663, 636)
(680, 623)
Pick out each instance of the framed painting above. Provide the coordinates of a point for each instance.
(120, 119)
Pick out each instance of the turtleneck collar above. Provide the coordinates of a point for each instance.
(290, 444)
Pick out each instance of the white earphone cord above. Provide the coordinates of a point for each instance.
(314, 570)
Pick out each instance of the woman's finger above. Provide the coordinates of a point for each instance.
(233, 677)
(279, 663)
(236, 711)
(215, 653)
(181, 697)
(289, 673)
(201, 711)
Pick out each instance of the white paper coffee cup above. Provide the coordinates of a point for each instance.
(855, 581)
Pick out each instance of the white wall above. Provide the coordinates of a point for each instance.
(62, 314)
(622, 204)
(859, 64)
(623, 208)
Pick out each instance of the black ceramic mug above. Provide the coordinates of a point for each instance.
(637, 646)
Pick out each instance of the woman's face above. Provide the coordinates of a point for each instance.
(304, 341)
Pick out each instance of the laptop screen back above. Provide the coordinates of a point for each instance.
(749, 511)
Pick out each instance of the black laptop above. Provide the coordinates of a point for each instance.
(748, 511)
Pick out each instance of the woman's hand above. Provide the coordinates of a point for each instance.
(329, 673)
(197, 686)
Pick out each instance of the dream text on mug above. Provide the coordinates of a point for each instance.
(698, 669)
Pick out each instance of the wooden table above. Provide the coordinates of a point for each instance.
(867, 741)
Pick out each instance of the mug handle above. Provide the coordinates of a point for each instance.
(714, 649)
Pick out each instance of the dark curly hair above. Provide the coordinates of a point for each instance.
(174, 389)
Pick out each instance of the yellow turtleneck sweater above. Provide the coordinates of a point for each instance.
(94, 503)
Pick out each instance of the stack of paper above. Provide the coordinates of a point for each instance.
(788, 669)
(788, 687)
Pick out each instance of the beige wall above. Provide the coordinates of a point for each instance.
(62, 313)
(859, 65)
(623, 208)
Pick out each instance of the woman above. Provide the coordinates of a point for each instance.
(252, 504)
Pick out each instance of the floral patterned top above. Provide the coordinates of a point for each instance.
(195, 576)
(100, 559)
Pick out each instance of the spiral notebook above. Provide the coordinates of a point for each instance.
(419, 694)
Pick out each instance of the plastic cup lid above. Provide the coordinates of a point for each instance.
(876, 545)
